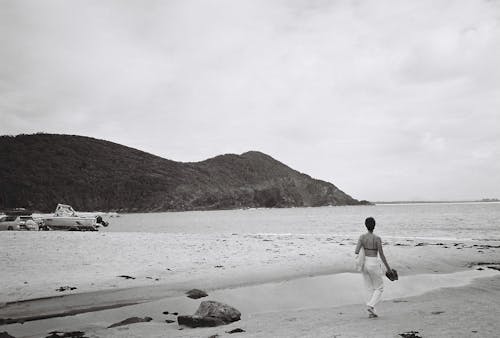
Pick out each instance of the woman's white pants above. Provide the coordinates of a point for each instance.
(372, 273)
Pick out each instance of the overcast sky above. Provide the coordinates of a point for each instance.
(389, 100)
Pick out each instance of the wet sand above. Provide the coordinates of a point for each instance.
(470, 311)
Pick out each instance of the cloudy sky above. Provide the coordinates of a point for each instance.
(389, 100)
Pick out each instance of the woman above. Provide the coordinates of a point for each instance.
(372, 270)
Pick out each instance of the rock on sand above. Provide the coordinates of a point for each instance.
(211, 313)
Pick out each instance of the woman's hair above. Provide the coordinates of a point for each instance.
(370, 223)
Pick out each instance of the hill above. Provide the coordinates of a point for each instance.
(38, 171)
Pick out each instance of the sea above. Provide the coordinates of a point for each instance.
(447, 221)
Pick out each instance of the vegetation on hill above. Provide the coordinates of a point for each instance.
(38, 171)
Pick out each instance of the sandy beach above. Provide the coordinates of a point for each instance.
(99, 270)
(35, 264)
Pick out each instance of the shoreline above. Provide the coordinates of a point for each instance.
(177, 289)
(115, 298)
(173, 262)
(249, 322)
(119, 213)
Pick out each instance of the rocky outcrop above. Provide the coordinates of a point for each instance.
(39, 171)
(210, 313)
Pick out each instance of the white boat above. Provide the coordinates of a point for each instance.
(65, 218)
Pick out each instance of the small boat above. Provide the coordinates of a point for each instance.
(65, 218)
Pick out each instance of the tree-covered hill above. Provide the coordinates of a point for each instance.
(38, 171)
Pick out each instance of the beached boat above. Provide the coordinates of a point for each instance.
(65, 218)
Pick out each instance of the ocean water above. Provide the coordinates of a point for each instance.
(456, 221)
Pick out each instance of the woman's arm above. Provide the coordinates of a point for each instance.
(358, 247)
(381, 253)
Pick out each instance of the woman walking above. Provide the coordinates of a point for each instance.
(372, 269)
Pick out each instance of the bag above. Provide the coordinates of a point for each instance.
(360, 260)
(392, 275)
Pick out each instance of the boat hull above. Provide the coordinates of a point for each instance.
(70, 223)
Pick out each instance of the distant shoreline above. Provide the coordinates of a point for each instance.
(492, 200)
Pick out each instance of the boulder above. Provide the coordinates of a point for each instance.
(211, 313)
(195, 294)
(210, 308)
